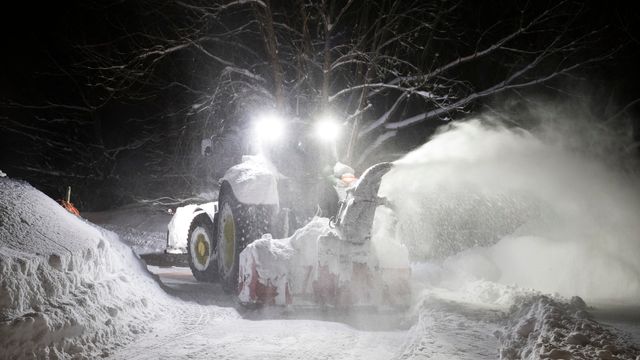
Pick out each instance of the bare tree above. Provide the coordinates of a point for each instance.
(420, 78)
(202, 68)
(382, 66)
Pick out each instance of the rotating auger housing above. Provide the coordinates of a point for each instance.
(327, 262)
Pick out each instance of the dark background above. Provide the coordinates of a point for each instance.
(39, 49)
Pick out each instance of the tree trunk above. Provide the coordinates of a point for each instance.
(271, 46)
(326, 54)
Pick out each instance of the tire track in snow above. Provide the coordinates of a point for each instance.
(195, 331)
(182, 321)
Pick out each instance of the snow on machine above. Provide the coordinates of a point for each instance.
(288, 230)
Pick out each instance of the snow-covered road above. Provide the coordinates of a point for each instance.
(205, 324)
(195, 331)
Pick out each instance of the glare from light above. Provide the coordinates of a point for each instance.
(327, 129)
(269, 128)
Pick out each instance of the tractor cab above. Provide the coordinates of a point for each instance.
(304, 154)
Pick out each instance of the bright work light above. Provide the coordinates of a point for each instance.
(327, 129)
(269, 128)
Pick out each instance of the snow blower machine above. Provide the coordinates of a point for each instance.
(289, 230)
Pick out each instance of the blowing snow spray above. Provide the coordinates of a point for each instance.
(499, 204)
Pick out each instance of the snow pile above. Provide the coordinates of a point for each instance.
(502, 205)
(448, 327)
(487, 320)
(544, 328)
(67, 288)
(2, 174)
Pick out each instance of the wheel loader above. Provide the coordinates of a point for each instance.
(292, 226)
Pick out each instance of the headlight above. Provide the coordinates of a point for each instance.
(327, 129)
(269, 128)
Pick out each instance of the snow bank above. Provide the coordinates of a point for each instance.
(544, 328)
(486, 320)
(447, 326)
(503, 205)
(67, 288)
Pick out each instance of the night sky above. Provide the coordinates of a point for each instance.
(40, 56)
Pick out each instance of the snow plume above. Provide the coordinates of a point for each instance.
(488, 202)
(67, 289)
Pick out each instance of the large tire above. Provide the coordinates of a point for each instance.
(201, 249)
(236, 226)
